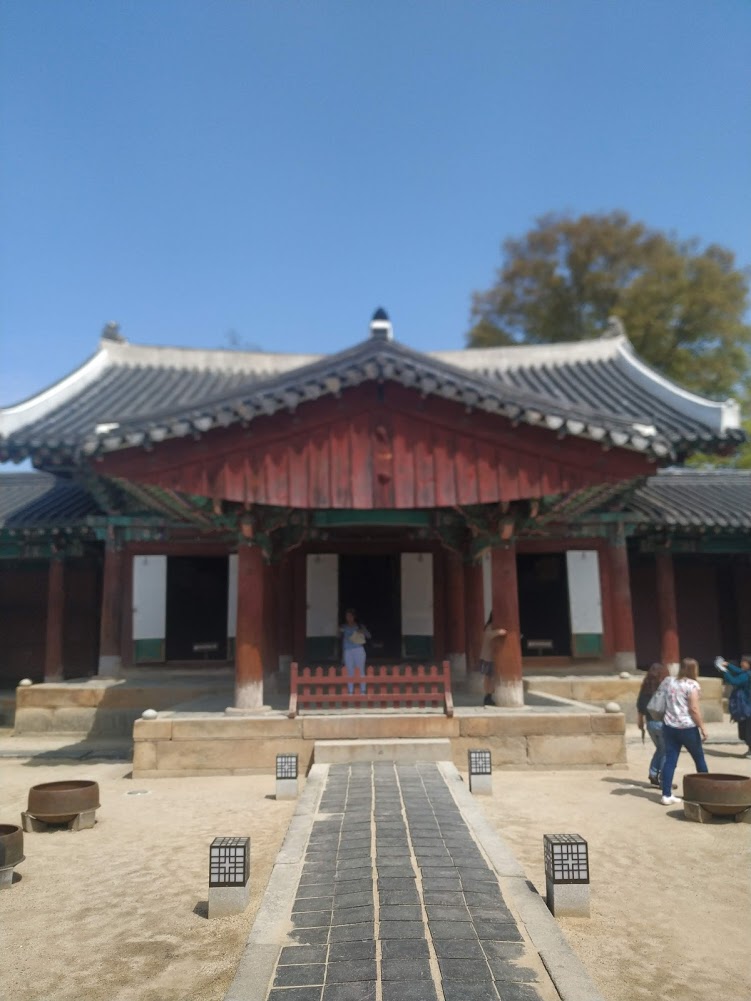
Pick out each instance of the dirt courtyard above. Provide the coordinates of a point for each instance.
(118, 913)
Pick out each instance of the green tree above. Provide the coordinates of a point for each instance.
(682, 304)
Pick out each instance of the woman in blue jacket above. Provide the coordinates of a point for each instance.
(740, 697)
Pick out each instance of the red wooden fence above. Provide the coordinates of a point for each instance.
(403, 686)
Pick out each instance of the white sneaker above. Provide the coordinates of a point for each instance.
(669, 800)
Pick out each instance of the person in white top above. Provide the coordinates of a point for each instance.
(682, 725)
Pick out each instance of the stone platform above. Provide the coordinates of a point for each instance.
(598, 690)
(559, 735)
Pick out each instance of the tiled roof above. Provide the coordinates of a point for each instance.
(693, 498)
(128, 395)
(40, 499)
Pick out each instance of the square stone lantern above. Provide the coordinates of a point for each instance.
(480, 772)
(229, 876)
(286, 776)
(567, 875)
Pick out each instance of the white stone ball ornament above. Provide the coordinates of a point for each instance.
(149, 714)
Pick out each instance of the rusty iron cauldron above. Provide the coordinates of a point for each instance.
(60, 802)
(11, 845)
(720, 795)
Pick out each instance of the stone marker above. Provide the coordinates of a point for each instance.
(286, 776)
(229, 876)
(567, 875)
(480, 773)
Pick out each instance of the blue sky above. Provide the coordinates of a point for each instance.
(279, 168)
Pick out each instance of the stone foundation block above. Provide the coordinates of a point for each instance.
(378, 727)
(503, 750)
(512, 724)
(6, 877)
(286, 788)
(235, 728)
(347, 751)
(52, 696)
(83, 821)
(152, 729)
(225, 901)
(144, 755)
(74, 719)
(481, 785)
(568, 900)
(197, 756)
(608, 722)
(33, 720)
(596, 749)
(696, 812)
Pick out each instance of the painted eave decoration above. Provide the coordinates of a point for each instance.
(130, 396)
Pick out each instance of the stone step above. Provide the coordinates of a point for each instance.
(345, 752)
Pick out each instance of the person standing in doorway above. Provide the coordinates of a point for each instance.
(489, 636)
(354, 637)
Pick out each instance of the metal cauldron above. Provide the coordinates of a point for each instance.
(60, 802)
(720, 795)
(11, 845)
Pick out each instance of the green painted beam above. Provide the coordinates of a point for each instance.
(377, 517)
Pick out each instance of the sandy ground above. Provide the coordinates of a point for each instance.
(671, 899)
(117, 913)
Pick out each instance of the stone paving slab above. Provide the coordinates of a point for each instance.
(395, 900)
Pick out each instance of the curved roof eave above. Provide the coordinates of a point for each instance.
(35, 407)
(720, 417)
(385, 361)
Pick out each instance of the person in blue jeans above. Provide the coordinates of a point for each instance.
(652, 681)
(682, 725)
(354, 635)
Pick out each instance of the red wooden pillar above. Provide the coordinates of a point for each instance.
(623, 614)
(285, 604)
(667, 614)
(456, 621)
(270, 630)
(507, 652)
(53, 649)
(475, 619)
(250, 626)
(110, 649)
(300, 597)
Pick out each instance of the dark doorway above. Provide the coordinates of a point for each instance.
(372, 586)
(197, 608)
(543, 605)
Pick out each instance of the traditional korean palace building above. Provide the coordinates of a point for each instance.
(226, 507)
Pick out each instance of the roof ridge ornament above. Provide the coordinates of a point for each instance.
(615, 327)
(111, 332)
(380, 326)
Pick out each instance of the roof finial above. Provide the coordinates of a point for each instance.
(380, 325)
(111, 332)
(615, 327)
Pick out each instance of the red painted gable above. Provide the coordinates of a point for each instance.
(379, 446)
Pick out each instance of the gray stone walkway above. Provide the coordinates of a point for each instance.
(396, 901)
